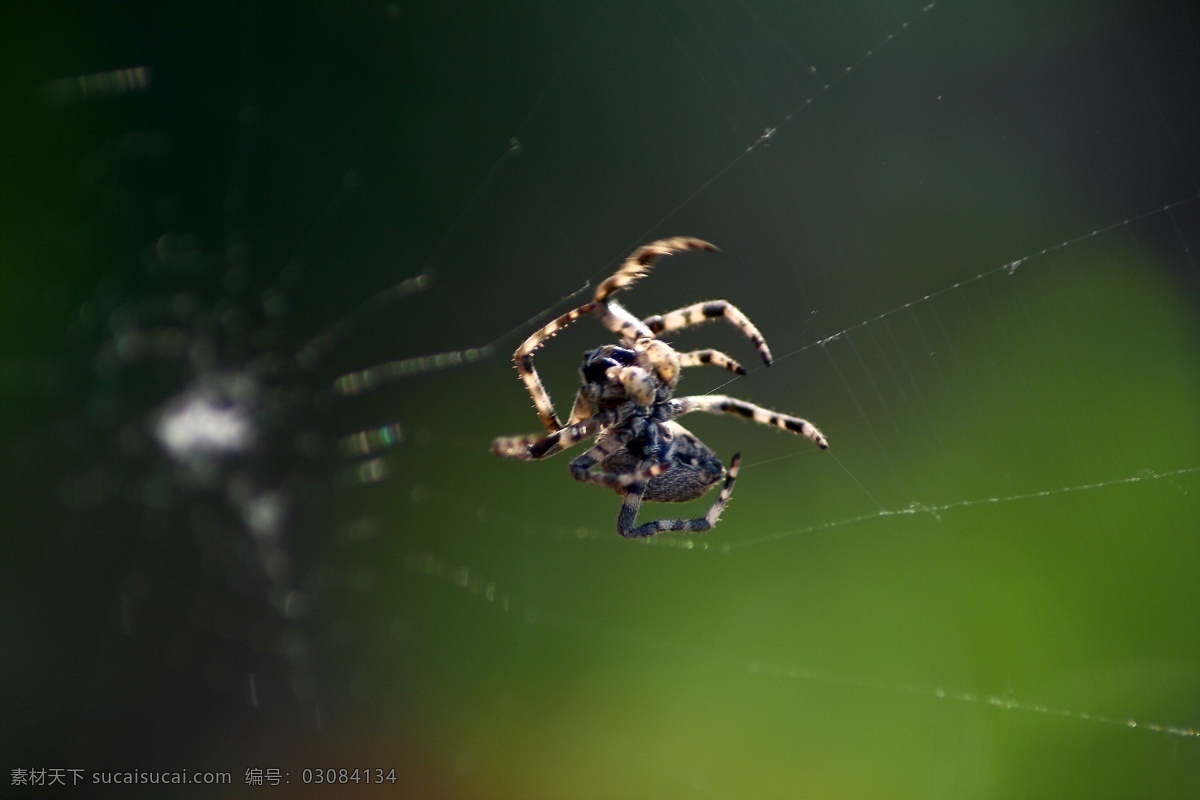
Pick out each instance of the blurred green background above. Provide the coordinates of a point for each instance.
(969, 234)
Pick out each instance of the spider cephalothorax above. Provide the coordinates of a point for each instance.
(627, 403)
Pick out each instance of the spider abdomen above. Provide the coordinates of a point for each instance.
(692, 467)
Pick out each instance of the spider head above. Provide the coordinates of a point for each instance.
(645, 374)
(612, 375)
(650, 380)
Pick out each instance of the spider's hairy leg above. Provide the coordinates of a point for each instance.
(534, 447)
(660, 357)
(523, 359)
(581, 467)
(638, 384)
(617, 319)
(633, 501)
(695, 358)
(723, 404)
(612, 314)
(703, 312)
(640, 261)
(584, 406)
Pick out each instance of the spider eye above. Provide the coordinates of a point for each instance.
(623, 356)
(597, 363)
(597, 371)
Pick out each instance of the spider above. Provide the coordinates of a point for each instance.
(627, 403)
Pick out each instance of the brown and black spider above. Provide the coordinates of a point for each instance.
(627, 403)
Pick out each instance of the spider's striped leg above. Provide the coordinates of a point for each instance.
(534, 447)
(584, 407)
(581, 467)
(640, 261)
(715, 357)
(638, 383)
(614, 316)
(722, 404)
(633, 501)
(523, 358)
(617, 319)
(703, 312)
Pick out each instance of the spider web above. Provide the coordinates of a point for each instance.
(968, 235)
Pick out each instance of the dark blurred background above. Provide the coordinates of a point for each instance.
(968, 232)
